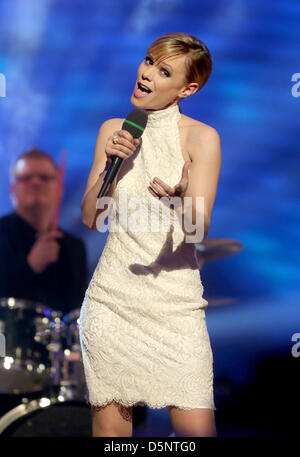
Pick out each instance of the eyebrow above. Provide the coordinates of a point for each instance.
(167, 65)
(162, 63)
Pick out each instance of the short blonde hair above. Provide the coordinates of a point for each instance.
(198, 58)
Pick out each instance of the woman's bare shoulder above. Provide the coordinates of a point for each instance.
(194, 126)
(199, 137)
(112, 124)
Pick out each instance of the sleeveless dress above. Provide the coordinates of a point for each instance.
(142, 324)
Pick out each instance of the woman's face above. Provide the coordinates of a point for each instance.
(166, 81)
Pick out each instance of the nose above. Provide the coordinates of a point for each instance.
(148, 73)
(35, 179)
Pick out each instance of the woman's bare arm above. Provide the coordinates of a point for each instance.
(95, 180)
(204, 170)
(104, 149)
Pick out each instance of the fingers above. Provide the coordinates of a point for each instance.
(159, 185)
(126, 139)
(124, 134)
(118, 150)
(153, 193)
(125, 145)
(159, 188)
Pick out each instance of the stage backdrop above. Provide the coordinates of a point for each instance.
(70, 65)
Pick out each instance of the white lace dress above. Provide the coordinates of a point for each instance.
(142, 323)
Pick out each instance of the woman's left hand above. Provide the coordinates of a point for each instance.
(159, 189)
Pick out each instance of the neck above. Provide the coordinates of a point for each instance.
(162, 109)
(38, 218)
(163, 118)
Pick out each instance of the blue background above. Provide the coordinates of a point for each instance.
(70, 65)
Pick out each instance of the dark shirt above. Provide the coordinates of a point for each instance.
(61, 286)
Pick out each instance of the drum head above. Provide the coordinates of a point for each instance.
(18, 380)
(60, 419)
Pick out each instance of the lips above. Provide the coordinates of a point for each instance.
(139, 92)
(143, 86)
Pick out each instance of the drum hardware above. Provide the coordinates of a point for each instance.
(68, 372)
(72, 321)
(34, 383)
(2, 327)
(221, 301)
(23, 370)
(48, 416)
(215, 249)
(51, 333)
(38, 354)
(61, 338)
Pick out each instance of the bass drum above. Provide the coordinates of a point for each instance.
(48, 418)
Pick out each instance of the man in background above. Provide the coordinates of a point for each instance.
(37, 263)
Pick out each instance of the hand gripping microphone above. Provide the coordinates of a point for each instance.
(135, 123)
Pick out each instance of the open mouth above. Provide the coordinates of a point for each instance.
(143, 88)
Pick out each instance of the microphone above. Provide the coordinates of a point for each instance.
(135, 123)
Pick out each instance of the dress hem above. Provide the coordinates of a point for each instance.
(145, 403)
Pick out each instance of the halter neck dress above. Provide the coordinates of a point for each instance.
(143, 332)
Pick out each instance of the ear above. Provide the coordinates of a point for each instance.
(189, 90)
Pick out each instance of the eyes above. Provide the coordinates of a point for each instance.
(149, 61)
(42, 176)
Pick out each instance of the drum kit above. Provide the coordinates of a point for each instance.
(42, 383)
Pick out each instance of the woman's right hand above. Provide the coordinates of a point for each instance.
(124, 148)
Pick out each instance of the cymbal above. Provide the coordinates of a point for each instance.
(221, 301)
(216, 248)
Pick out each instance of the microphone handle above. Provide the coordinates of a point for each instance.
(110, 175)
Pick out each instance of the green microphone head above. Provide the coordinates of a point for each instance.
(135, 123)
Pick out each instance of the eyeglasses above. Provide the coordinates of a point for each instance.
(41, 176)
